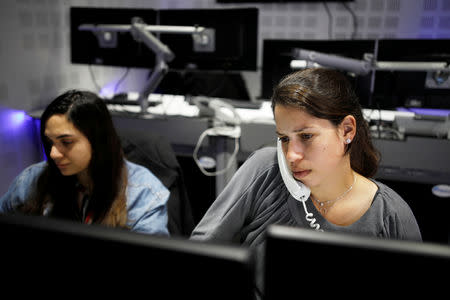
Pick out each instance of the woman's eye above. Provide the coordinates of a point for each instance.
(283, 139)
(66, 143)
(306, 136)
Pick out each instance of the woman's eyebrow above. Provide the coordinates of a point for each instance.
(302, 129)
(61, 136)
(296, 130)
(64, 136)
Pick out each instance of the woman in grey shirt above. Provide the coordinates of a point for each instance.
(326, 144)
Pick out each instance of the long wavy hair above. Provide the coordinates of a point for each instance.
(89, 114)
(328, 94)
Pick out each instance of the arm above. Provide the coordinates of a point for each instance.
(225, 217)
(239, 202)
(146, 202)
(21, 188)
(148, 212)
(402, 225)
(400, 222)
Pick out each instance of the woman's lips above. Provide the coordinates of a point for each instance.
(301, 174)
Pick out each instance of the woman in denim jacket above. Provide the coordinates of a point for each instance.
(86, 177)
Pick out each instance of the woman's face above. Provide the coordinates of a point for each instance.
(70, 149)
(314, 148)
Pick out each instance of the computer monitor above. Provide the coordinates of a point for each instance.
(236, 38)
(215, 73)
(42, 255)
(212, 71)
(277, 55)
(123, 51)
(416, 89)
(310, 264)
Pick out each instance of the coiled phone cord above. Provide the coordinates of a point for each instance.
(310, 218)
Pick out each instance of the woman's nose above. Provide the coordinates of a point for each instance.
(55, 153)
(294, 152)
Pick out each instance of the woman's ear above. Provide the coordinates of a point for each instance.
(348, 128)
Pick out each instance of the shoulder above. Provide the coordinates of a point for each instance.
(146, 201)
(140, 175)
(22, 186)
(141, 179)
(31, 173)
(263, 160)
(399, 220)
(391, 200)
(35, 169)
(258, 183)
(259, 171)
(268, 154)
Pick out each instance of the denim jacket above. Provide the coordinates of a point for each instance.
(146, 197)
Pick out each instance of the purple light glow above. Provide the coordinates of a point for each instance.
(427, 111)
(11, 119)
(17, 118)
(107, 90)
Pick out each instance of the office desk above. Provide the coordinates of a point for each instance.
(414, 159)
(183, 134)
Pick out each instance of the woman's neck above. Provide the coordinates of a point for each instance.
(335, 185)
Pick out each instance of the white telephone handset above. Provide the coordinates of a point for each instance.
(296, 188)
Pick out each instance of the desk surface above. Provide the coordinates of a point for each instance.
(176, 105)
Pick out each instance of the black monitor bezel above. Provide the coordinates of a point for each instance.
(136, 262)
(84, 46)
(277, 55)
(85, 49)
(328, 263)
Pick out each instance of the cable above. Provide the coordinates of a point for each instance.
(355, 21)
(121, 79)
(310, 218)
(231, 159)
(330, 21)
(225, 126)
(99, 89)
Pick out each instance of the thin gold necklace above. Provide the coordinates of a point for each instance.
(324, 206)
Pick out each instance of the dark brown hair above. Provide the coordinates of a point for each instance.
(328, 94)
(89, 114)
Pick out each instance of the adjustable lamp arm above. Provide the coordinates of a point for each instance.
(141, 32)
(163, 55)
(362, 67)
